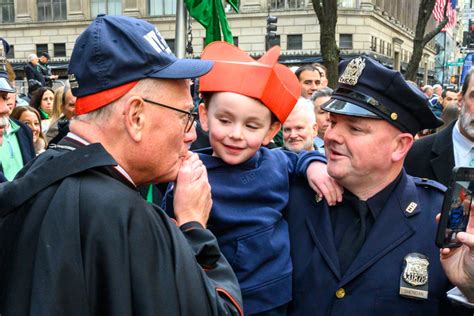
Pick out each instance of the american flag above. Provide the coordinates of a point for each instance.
(438, 11)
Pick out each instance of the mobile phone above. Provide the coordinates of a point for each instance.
(456, 207)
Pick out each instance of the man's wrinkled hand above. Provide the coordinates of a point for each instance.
(192, 192)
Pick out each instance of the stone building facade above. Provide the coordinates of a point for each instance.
(383, 29)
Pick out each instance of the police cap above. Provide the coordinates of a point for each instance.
(368, 89)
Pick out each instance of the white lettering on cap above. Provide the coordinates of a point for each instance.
(157, 42)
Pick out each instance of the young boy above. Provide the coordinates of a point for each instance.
(245, 102)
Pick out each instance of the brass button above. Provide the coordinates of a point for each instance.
(340, 293)
(394, 116)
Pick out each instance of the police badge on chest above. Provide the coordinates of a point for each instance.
(414, 278)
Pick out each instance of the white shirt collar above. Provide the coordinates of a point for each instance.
(117, 167)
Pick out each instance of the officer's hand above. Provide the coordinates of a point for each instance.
(323, 184)
(192, 192)
(458, 263)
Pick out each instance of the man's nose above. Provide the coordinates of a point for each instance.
(190, 136)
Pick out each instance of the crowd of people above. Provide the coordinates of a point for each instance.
(337, 218)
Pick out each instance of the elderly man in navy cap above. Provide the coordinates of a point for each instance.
(374, 253)
(76, 237)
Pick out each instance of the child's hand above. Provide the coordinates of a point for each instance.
(323, 184)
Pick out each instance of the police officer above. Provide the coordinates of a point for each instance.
(374, 253)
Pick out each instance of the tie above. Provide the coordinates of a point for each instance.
(354, 237)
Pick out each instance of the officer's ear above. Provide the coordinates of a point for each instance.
(401, 145)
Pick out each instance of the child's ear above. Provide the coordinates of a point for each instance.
(203, 117)
(274, 129)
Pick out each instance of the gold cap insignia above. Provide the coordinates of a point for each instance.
(394, 116)
(353, 70)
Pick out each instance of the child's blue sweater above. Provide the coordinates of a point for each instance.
(246, 217)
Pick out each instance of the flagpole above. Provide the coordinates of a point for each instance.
(180, 30)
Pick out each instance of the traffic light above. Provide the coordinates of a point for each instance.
(271, 26)
(271, 31)
(470, 35)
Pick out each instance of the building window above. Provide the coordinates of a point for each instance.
(373, 44)
(51, 10)
(59, 50)
(347, 3)
(8, 11)
(382, 47)
(161, 7)
(389, 49)
(110, 7)
(294, 42)
(345, 41)
(11, 52)
(170, 42)
(236, 40)
(41, 48)
(287, 4)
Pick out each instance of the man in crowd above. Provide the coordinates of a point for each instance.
(300, 127)
(310, 80)
(322, 117)
(448, 97)
(372, 254)
(33, 73)
(323, 71)
(436, 155)
(46, 70)
(76, 237)
(17, 148)
(427, 90)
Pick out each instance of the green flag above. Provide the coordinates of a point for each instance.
(211, 15)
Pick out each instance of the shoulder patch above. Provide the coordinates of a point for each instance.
(429, 184)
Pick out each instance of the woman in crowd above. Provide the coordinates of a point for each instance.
(31, 117)
(42, 101)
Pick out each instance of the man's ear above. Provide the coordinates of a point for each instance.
(203, 117)
(134, 115)
(274, 129)
(402, 144)
(315, 130)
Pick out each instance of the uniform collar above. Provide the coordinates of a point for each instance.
(378, 201)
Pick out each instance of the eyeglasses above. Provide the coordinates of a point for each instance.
(191, 116)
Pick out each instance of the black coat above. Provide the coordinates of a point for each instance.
(432, 156)
(75, 240)
(32, 72)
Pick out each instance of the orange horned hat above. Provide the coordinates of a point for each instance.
(264, 79)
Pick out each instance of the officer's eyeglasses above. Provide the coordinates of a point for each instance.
(191, 116)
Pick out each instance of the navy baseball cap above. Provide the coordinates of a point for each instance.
(114, 53)
(5, 85)
(368, 89)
